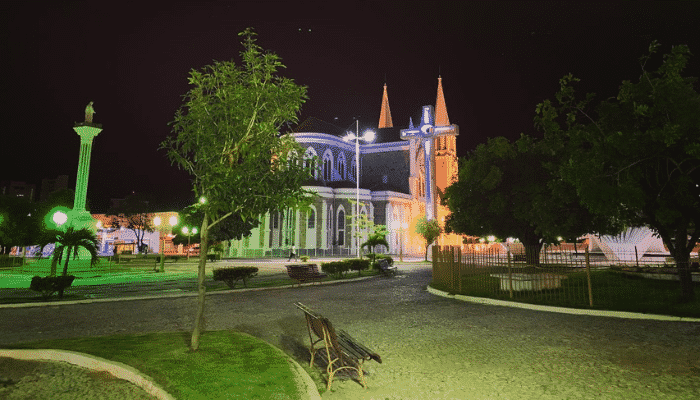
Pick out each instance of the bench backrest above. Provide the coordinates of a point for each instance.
(322, 328)
(383, 263)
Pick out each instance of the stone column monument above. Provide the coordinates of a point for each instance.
(79, 218)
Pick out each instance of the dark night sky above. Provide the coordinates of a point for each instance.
(497, 61)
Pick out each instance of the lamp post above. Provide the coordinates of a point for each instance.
(189, 232)
(368, 137)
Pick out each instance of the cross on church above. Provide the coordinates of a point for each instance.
(425, 133)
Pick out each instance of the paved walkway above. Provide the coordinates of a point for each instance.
(431, 347)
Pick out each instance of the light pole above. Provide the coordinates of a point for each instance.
(368, 137)
(189, 232)
(157, 222)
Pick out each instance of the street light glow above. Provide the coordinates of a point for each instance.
(59, 218)
(173, 220)
(156, 221)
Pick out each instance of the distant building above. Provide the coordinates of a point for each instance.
(402, 174)
(49, 186)
(18, 189)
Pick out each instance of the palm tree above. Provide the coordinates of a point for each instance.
(374, 239)
(71, 241)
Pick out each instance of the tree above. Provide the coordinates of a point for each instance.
(495, 193)
(69, 243)
(227, 137)
(635, 157)
(20, 224)
(509, 190)
(134, 213)
(430, 230)
(235, 227)
(377, 237)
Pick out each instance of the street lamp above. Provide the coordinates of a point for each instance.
(368, 137)
(157, 222)
(189, 232)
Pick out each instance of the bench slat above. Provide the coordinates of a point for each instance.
(339, 341)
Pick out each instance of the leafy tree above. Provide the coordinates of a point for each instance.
(510, 190)
(235, 227)
(430, 230)
(227, 137)
(20, 224)
(495, 193)
(134, 213)
(636, 157)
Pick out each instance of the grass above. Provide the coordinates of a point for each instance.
(228, 365)
(106, 273)
(612, 291)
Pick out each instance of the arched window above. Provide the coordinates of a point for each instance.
(341, 227)
(310, 157)
(311, 223)
(329, 226)
(353, 170)
(341, 165)
(327, 166)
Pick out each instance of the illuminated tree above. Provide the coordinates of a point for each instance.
(134, 213)
(227, 137)
(636, 157)
(430, 230)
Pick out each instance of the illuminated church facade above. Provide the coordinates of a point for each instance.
(401, 175)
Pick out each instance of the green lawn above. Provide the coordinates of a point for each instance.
(228, 365)
(611, 291)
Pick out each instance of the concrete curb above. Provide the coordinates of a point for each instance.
(119, 370)
(177, 295)
(564, 310)
(303, 380)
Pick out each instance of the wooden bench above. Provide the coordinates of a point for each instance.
(385, 268)
(304, 272)
(342, 351)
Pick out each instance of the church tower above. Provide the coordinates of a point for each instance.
(385, 114)
(446, 165)
(445, 144)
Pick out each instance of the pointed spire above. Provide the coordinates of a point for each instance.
(385, 114)
(410, 122)
(441, 118)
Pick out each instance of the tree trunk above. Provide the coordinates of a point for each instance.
(532, 252)
(201, 289)
(426, 251)
(681, 255)
(65, 272)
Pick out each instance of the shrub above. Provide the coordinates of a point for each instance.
(357, 264)
(337, 269)
(213, 257)
(49, 285)
(232, 275)
(386, 257)
(304, 258)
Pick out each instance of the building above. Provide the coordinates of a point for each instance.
(49, 186)
(401, 174)
(18, 189)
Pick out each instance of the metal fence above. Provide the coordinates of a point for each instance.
(558, 275)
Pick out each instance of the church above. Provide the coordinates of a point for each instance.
(401, 175)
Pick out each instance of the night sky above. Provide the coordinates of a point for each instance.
(497, 61)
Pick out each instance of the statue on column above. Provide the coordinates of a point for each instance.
(89, 111)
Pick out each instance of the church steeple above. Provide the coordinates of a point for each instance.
(441, 118)
(385, 114)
